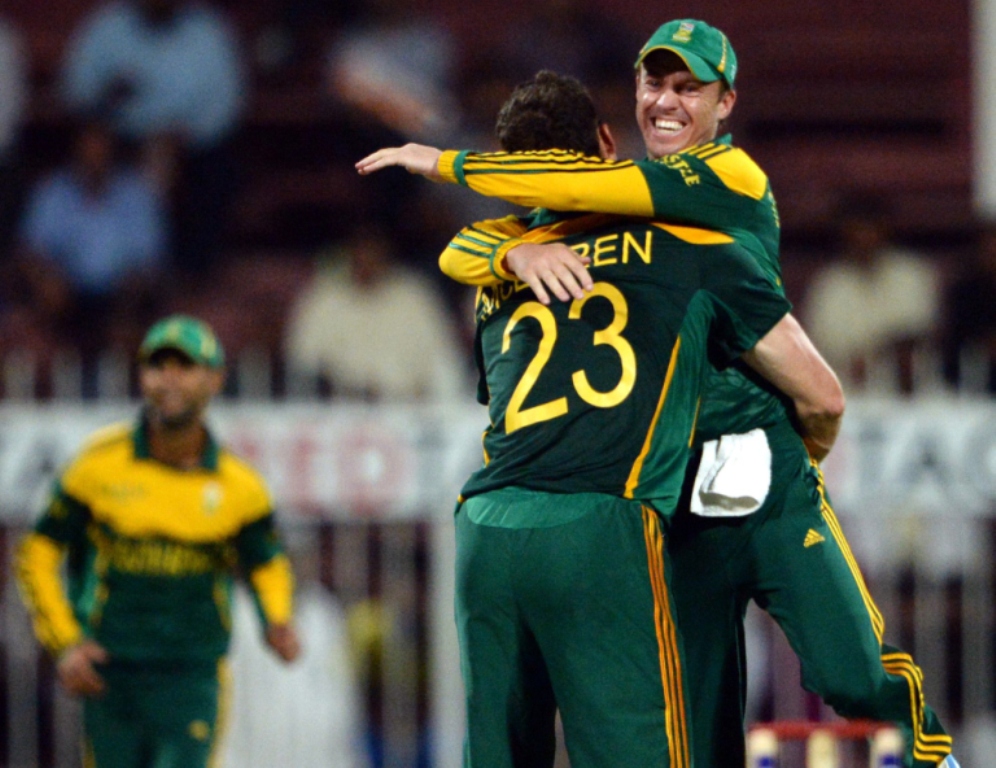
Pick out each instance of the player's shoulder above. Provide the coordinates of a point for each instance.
(244, 479)
(107, 440)
(735, 267)
(734, 167)
(101, 453)
(238, 469)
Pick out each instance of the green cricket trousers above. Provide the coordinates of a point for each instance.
(573, 614)
(156, 716)
(791, 558)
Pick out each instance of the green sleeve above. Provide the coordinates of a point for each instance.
(747, 303)
(683, 187)
(257, 543)
(65, 518)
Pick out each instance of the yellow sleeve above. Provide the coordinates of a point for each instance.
(476, 256)
(38, 561)
(446, 165)
(273, 584)
(558, 180)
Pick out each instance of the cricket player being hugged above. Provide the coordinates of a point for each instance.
(562, 576)
(770, 536)
(151, 520)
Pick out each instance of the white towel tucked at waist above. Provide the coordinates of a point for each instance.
(734, 476)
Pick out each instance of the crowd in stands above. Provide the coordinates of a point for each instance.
(188, 156)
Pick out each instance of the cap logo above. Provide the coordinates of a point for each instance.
(684, 33)
(722, 59)
(207, 347)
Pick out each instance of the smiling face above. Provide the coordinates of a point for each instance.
(674, 109)
(176, 389)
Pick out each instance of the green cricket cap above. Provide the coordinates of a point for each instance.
(193, 337)
(705, 50)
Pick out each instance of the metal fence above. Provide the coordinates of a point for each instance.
(366, 494)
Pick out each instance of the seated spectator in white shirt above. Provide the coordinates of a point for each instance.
(877, 306)
(375, 330)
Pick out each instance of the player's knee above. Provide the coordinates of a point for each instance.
(853, 692)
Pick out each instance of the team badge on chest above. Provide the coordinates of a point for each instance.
(212, 498)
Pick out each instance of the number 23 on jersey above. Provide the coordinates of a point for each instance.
(517, 417)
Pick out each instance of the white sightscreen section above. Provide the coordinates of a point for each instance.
(984, 105)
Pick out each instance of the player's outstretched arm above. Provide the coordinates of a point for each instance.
(414, 158)
(787, 358)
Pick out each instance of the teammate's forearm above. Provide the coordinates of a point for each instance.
(788, 359)
(414, 158)
(819, 432)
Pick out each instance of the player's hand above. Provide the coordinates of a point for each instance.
(553, 266)
(818, 450)
(414, 158)
(76, 668)
(282, 638)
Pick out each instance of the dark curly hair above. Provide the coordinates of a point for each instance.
(550, 111)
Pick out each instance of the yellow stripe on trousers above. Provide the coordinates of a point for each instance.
(925, 746)
(223, 711)
(88, 759)
(878, 622)
(676, 721)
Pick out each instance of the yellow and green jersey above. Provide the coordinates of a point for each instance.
(150, 551)
(600, 395)
(715, 186)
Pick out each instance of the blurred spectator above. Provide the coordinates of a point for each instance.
(484, 83)
(876, 307)
(170, 74)
(92, 244)
(13, 101)
(560, 35)
(396, 65)
(375, 330)
(292, 41)
(970, 317)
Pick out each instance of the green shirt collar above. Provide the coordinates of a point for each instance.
(726, 140)
(140, 437)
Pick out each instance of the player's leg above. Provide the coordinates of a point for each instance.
(188, 708)
(809, 582)
(509, 701)
(708, 578)
(113, 731)
(595, 592)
